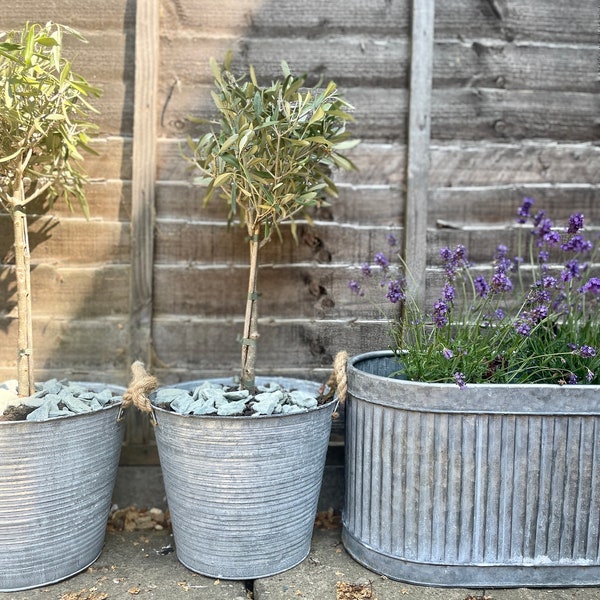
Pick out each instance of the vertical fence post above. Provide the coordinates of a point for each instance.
(143, 178)
(137, 449)
(419, 126)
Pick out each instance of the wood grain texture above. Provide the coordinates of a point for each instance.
(143, 180)
(419, 131)
(514, 112)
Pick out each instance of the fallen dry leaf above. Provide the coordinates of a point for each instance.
(132, 518)
(84, 595)
(328, 519)
(134, 591)
(353, 591)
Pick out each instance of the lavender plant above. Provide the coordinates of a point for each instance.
(534, 320)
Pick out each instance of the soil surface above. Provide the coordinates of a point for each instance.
(16, 413)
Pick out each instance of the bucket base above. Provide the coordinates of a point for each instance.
(245, 575)
(478, 576)
(53, 581)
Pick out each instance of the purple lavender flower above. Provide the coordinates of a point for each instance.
(572, 379)
(523, 212)
(446, 254)
(499, 314)
(552, 238)
(481, 286)
(365, 269)
(355, 288)
(540, 296)
(501, 283)
(592, 286)
(587, 351)
(447, 353)
(575, 223)
(523, 328)
(539, 313)
(460, 254)
(542, 229)
(395, 292)
(381, 260)
(549, 282)
(577, 244)
(440, 312)
(501, 251)
(572, 270)
(590, 375)
(392, 240)
(448, 292)
(540, 215)
(460, 379)
(503, 263)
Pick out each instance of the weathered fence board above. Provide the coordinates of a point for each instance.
(293, 345)
(376, 204)
(536, 20)
(284, 18)
(92, 292)
(514, 112)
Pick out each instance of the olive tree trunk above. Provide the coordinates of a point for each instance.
(25, 327)
(250, 337)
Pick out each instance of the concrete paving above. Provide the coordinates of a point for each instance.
(139, 565)
(143, 564)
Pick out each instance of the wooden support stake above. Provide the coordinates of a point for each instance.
(419, 126)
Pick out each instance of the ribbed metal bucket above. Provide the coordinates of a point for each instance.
(243, 491)
(488, 486)
(56, 483)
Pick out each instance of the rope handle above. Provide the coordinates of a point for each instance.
(141, 385)
(338, 380)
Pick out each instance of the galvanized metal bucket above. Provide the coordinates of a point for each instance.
(56, 483)
(488, 486)
(243, 491)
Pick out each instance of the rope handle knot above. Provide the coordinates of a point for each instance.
(142, 384)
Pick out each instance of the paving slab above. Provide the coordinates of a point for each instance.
(142, 565)
(136, 565)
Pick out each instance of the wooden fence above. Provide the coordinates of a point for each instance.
(463, 107)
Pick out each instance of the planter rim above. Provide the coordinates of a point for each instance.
(277, 379)
(495, 398)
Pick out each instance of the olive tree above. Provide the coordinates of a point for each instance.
(270, 157)
(44, 126)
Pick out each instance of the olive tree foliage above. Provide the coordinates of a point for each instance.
(270, 157)
(44, 127)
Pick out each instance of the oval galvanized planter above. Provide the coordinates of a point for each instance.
(243, 491)
(488, 486)
(56, 483)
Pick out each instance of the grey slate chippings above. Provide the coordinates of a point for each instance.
(55, 398)
(216, 399)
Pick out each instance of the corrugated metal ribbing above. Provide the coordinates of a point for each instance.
(473, 489)
(56, 484)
